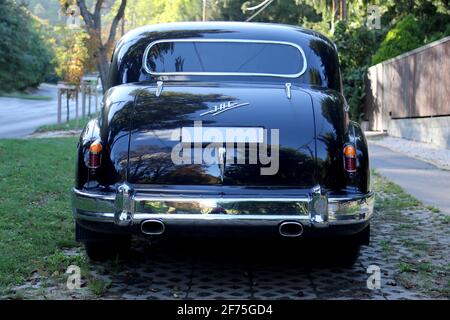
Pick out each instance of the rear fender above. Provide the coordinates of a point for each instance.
(360, 179)
(89, 134)
(112, 129)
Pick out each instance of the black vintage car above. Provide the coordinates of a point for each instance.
(223, 128)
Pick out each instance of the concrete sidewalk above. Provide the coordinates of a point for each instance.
(424, 181)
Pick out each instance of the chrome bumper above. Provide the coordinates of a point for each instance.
(130, 207)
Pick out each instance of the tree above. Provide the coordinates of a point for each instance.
(72, 54)
(278, 11)
(46, 10)
(356, 47)
(93, 20)
(25, 57)
(404, 36)
(141, 12)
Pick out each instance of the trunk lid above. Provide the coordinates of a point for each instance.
(161, 123)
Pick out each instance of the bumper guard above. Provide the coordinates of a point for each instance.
(128, 207)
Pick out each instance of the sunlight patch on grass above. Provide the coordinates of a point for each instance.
(35, 215)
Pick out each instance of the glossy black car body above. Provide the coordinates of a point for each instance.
(138, 189)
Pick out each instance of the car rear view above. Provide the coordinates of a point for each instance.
(223, 129)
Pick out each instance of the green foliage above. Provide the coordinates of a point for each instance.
(45, 9)
(406, 35)
(25, 55)
(71, 53)
(287, 11)
(415, 23)
(143, 12)
(355, 47)
(439, 34)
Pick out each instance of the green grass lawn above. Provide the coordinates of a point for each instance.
(35, 216)
(65, 126)
(24, 95)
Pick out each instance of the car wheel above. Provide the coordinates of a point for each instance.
(347, 254)
(102, 251)
(346, 250)
(102, 246)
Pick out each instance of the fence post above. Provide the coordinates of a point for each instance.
(76, 110)
(83, 99)
(96, 97)
(88, 83)
(59, 105)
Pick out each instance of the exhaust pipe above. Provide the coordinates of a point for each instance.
(290, 229)
(153, 227)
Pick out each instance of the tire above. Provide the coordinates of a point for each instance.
(102, 251)
(103, 246)
(346, 250)
(347, 255)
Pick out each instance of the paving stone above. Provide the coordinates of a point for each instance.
(219, 280)
(152, 273)
(282, 282)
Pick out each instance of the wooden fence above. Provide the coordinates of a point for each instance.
(413, 85)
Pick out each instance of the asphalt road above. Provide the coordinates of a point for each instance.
(20, 117)
(424, 181)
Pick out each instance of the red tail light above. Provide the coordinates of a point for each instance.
(95, 152)
(349, 158)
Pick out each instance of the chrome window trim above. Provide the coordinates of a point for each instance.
(278, 75)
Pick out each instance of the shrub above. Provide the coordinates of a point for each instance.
(406, 35)
(71, 54)
(355, 47)
(439, 34)
(25, 57)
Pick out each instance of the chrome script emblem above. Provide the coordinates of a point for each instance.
(224, 107)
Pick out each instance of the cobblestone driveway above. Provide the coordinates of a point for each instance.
(411, 247)
(202, 274)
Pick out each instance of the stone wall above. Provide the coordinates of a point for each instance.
(435, 130)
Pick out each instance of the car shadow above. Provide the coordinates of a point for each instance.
(271, 252)
(229, 268)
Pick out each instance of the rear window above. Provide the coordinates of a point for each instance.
(224, 57)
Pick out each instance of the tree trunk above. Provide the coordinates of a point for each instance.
(94, 27)
(344, 10)
(123, 26)
(334, 13)
(103, 68)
